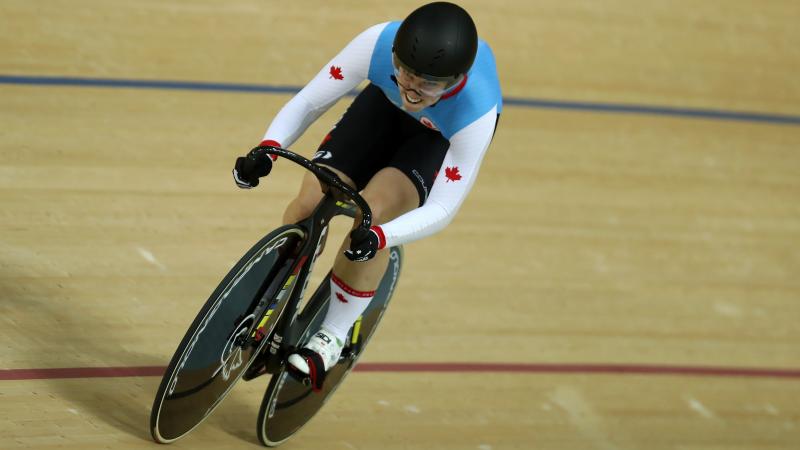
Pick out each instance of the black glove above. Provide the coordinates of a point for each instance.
(364, 244)
(250, 168)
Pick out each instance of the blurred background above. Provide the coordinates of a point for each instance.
(632, 241)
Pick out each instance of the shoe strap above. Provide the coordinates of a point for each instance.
(316, 368)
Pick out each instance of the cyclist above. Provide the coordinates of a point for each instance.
(412, 142)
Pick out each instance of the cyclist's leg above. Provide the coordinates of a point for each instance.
(390, 194)
(393, 191)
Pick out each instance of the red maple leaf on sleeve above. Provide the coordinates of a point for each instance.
(452, 174)
(341, 297)
(336, 73)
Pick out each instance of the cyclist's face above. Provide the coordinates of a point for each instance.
(416, 92)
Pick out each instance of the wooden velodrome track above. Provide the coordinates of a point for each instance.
(628, 276)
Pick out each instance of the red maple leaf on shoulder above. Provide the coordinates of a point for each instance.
(341, 297)
(452, 174)
(336, 73)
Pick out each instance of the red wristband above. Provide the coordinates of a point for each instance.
(381, 237)
(271, 143)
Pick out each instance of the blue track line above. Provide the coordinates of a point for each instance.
(696, 113)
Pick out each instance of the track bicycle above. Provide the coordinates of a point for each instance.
(255, 318)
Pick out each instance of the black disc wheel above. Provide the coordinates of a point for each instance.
(289, 403)
(226, 335)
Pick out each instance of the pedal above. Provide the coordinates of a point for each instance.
(348, 354)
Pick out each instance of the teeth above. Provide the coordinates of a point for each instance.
(412, 101)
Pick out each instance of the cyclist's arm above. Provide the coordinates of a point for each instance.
(454, 181)
(341, 75)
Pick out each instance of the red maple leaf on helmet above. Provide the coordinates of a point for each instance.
(452, 174)
(341, 297)
(336, 73)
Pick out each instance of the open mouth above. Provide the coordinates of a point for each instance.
(410, 98)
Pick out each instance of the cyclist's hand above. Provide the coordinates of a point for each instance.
(250, 168)
(364, 244)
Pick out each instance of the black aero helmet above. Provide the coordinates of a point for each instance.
(437, 41)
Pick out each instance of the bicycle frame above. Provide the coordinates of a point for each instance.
(314, 226)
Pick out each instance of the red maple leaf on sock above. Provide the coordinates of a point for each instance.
(452, 174)
(336, 73)
(340, 297)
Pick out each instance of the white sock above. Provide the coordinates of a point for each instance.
(344, 308)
